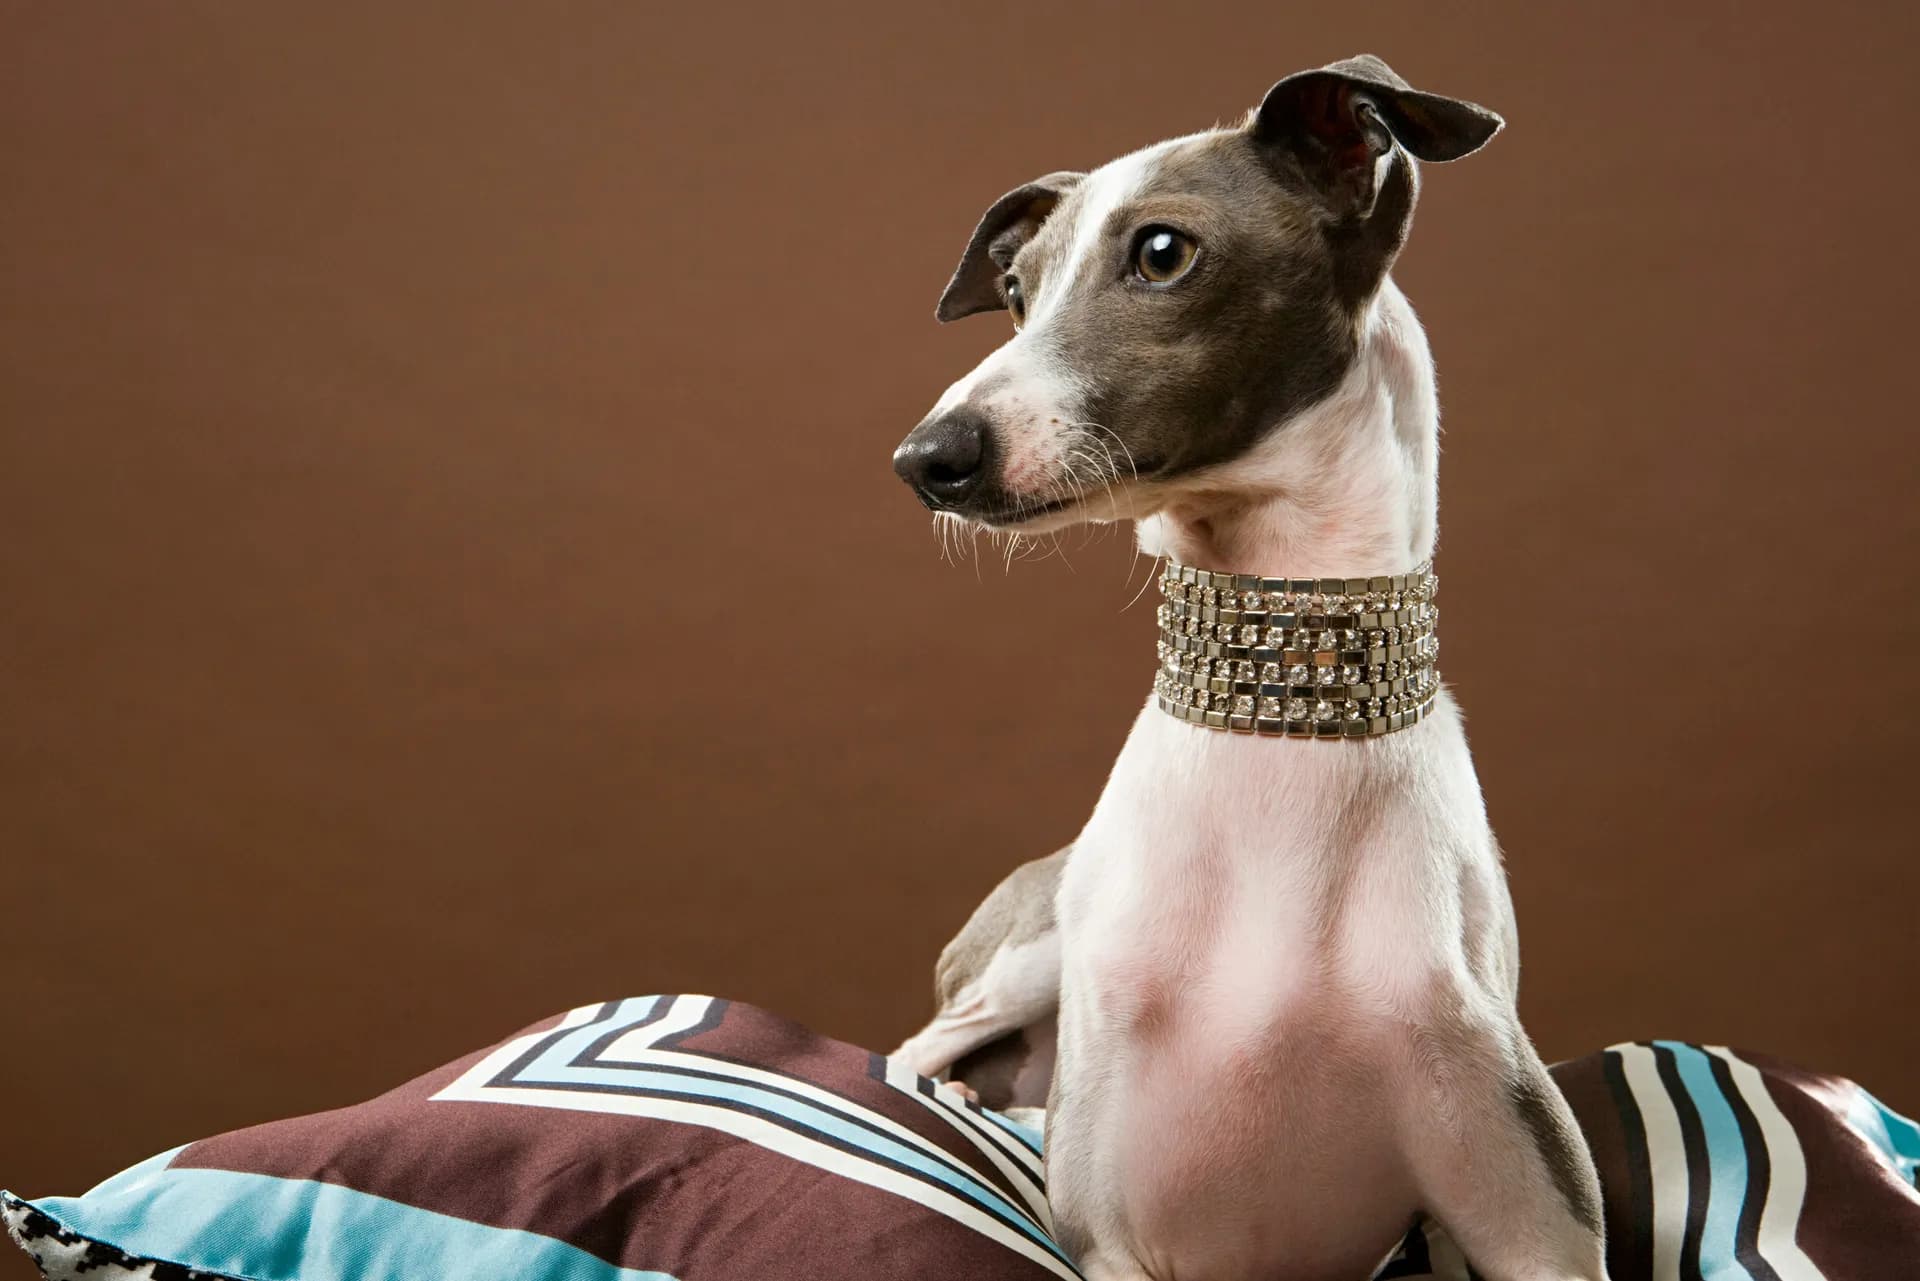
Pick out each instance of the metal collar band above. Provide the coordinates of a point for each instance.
(1298, 657)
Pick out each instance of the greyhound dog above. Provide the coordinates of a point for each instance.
(1280, 963)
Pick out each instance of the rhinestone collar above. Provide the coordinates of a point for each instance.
(1299, 657)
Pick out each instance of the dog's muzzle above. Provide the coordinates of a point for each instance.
(947, 458)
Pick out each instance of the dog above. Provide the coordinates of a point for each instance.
(1281, 970)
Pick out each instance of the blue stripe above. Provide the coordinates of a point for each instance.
(567, 1046)
(262, 1228)
(1029, 1137)
(1726, 1164)
(135, 1176)
(806, 1116)
(555, 1067)
(1897, 1138)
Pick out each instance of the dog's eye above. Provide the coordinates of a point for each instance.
(1163, 255)
(1016, 300)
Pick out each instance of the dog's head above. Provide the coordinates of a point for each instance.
(1176, 306)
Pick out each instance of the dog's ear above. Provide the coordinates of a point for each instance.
(1339, 126)
(1009, 223)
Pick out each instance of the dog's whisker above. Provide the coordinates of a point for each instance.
(1153, 572)
(1132, 468)
(1103, 470)
(1108, 465)
(944, 524)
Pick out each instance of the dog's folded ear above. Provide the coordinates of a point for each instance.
(1338, 123)
(1009, 223)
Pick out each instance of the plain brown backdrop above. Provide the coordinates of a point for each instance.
(451, 569)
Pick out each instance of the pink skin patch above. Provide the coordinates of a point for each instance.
(1033, 455)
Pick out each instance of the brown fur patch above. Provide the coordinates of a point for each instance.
(1019, 910)
(1560, 1143)
(1194, 373)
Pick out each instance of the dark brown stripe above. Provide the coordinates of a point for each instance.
(1415, 1261)
(1859, 1220)
(1629, 1199)
(637, 1192)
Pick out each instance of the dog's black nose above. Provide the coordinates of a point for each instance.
(945, 456)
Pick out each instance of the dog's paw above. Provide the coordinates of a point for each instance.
(962, 1089)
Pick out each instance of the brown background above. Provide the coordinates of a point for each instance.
(452, 572)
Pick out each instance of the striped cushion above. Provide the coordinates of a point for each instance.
(1720, 1165)
(657, 1139)
(691, 1139)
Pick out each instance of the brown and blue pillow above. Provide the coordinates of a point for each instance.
(692, 1139)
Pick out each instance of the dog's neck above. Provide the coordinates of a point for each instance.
(1347, 489)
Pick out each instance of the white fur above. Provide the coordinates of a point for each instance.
(1021, 983)
(1288, 968)
(1105, 190)
(1348, 488)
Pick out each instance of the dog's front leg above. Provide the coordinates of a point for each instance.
(1000, 974)
(1498, 1157)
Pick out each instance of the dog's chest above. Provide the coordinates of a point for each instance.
(1245, 934)
(1236, 879)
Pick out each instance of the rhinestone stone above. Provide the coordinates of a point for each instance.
(1296, 709)
(1243, 705)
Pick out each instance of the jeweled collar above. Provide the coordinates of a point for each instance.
(1299, 657)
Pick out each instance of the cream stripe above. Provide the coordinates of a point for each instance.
(486, 1069)
(686, 1013)
(1019, 1170)
(1445, 1262)
(1787, 1181)
(776, 1138)
(836, 1103)
(634, 1049)
(1666, 1155)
